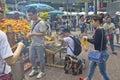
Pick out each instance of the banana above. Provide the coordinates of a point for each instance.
(85, 44)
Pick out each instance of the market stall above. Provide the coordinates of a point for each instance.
(16, 31)
(51, 51)
(53, 48)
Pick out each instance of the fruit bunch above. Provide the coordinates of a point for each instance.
(84, 43)
(44, 15)
(15, 25)
(49, 39)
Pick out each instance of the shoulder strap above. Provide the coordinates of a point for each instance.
(47, 26)
(101, 40)
(35, 24)
(4, 68)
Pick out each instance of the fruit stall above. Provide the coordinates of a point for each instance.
(53, 48)
(15, 30)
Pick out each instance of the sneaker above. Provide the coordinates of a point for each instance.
(33, 73)
(40, 75)
(81, 78)
(115, 53)
(83, 63)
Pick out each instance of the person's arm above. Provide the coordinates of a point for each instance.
(113, 27)
(98, 36)
(12, 59)
(60, 39)
(37, 34)
(95, 38)
(90, 41)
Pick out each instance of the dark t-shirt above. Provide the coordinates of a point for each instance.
(97, 39)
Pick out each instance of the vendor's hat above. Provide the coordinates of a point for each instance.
(117, 13)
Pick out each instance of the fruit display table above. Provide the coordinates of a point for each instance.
(53, 50)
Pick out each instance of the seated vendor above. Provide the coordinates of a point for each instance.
(70, 43)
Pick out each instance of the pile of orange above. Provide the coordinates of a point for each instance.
(16, 25)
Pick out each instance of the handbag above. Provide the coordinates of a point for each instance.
(95, 55)
(5, 76)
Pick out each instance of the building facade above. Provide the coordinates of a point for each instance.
(113, 7)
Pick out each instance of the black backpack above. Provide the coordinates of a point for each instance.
(77, 46)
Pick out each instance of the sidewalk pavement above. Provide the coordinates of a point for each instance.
(113, 68)
(52, 73)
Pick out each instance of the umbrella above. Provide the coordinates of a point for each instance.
(40, 7)
(56, 12)
(13, 12)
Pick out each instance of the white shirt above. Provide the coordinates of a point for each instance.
(69, 42)
(5, 52)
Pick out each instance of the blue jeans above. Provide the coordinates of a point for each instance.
(102, 67)
(111, 40)
(74, 25)
(37, 52)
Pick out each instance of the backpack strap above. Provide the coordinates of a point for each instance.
(35, 24)
(69, 46)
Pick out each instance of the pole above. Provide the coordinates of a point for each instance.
(67, 8)
(86, 7)
(16, 5)
(5, 8)
(67, 15)
(98, 5)
(95, 5)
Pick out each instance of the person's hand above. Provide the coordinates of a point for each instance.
(21, 45)
(58, 37)
(29, 34)
(85, 37)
